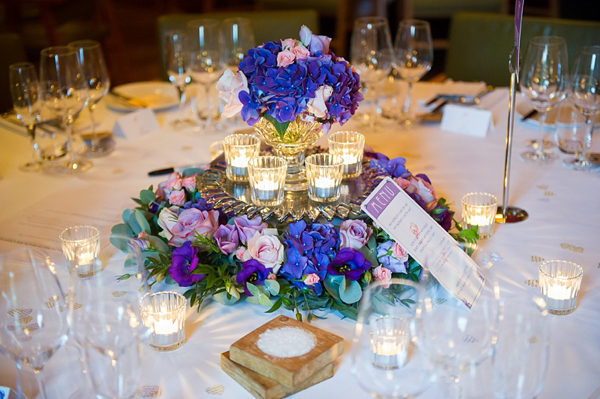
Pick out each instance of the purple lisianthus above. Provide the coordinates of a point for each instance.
(350, 263)
(443, 215)
(227, 238)
(184, 262)
(252, 272)
(248, 227)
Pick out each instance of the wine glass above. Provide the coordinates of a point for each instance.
(95, 73)
(544, 83)
(206, 66)
(372, 55)
(414, 57)
(178, 69)
(520, 359)
(32, 310)
(386, 360)
(64, 92)
(24, 89)
(585, 95)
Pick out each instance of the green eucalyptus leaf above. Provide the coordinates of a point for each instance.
(142, 222)
(133, 224)
(158, 243)
(265, 301)
(350, 291)
(272, 286)
(147, 196)
(332, 285)
(169, 280)
(126, 214)
(221, 297)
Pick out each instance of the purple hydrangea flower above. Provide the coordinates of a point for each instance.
(385, 257)
(395, 167)
(252, 272)
(350, 263)
(184, 262)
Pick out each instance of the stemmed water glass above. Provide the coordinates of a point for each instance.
(177, 58)
(32, 311)
(585, 95)
(414, 57)
(24, 89)
(206, 64)
(386, 359)
(95, 73)
(64, 92)
(372, 55)
(544, 83)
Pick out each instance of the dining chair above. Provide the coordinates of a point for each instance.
(12, 50)
(480, 43)
(267, 25)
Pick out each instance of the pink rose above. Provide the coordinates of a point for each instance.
(399, 253)
(167, 219)
(241, 254)
(300, 52)
(266, 248)
(189, 183)
(177, 197)
(285, 58)
(354, 234)
(192, 222)
(313, 42)
(416, 185)
(172, 183)
(403, 183)
(317, 105)
(271, 276)
(382, 274)
(229, 86)
(288, 44)
(311, 279)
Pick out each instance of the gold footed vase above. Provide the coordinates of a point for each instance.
(291, 145)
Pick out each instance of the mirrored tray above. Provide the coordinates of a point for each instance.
(235, 197)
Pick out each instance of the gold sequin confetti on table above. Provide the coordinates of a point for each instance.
(542, 187)
(535, 258)
(149, 391)
(532, 283)
(572, 248)
(215, 390)
(548, 194)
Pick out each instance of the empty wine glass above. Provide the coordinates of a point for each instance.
(521, 355)
(177, 57)
(372, 55)
(32, 311)
(414, 57)
(206, 67)
(95, 73)
(543, 82)
(585, 95)
(386, 360)
(64, 92)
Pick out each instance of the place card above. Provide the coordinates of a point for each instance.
(136, 124)
(425, 240)
(466, 120)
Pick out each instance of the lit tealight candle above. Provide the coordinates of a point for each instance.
(240, 162)
(389, 342)
(267, 178)
(350, 147)
(239, 149)
(164, 314)
(560, 282)
(165, 326)
(479, 209)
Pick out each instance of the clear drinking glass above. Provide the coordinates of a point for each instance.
(91, 59)
(372, 55)
(177, 57)
(206, 67)
(386, 359)
(64, 92)
(32, 311)
(414, 57)
(544, 83)
(585, 95)
(520, 358)
(24, 89)
(570, 129)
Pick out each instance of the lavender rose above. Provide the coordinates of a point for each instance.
(227, 238)
(192, 222)
(247, 228)
(177, 197)
(354, 234)
(266, 248)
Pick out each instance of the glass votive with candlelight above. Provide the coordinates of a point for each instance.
(81, 245)
(267, 180)
(560, 282)
(164, 314)
(479, 209)
(350, 146)
(239, 149)
(324, 175)
(390, 340)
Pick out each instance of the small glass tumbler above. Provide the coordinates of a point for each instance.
(216, 149)
(239, 149)
(267, 180)
(81, 245)
(479, 209)
(350, 146)
(164, 314)
(390, 339)
(560, 282)
(324, 174)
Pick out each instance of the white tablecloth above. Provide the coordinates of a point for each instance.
(563, 224)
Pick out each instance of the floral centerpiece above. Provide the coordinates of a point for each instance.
(301, 266)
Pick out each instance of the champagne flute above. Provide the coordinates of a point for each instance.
(544, 83)
(32, 311)
(414, 57)
(372, 56)
(95, 73)
(206, 67)
(178, 64)
(64, 92)
(585, 95)
(24, 89)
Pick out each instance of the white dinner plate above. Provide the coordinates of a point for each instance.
(159, 96)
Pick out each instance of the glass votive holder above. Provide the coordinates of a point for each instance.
(350, 146)
(239, 150)
(81, 245)
(164, 314)
(267, 179)
(324, 175)
(216, 149)
(560, 282)
(390, 340)
(479, 209)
